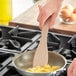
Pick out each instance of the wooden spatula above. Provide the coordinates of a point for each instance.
(41, 54)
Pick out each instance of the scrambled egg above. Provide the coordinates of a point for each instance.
(45, 68)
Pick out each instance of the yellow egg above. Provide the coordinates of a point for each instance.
(55, 68)
(45, 68)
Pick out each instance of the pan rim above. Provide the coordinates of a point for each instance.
(13, 61)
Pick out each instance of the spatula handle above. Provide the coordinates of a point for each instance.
(41, 54)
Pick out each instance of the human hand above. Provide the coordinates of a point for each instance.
(50, 9)
(72, 68)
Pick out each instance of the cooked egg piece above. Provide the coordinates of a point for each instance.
(43, 69)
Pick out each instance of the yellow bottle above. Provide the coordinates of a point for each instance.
(5, 11)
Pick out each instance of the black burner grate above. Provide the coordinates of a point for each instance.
(16, 39)
(11, 71)
(5, 58)
(29, 40)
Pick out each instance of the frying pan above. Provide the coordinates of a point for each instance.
(25, 60)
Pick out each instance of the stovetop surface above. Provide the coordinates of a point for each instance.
(16, 39)
(28, 39)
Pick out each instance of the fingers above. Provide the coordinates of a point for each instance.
(43, 15)
(47, 10)
(72, 69)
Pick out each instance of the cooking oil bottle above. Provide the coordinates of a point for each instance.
(5, 11)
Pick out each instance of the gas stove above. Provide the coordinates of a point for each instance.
(15, 40)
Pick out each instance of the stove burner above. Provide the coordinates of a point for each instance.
(53, 41)
(16, 39)
(6, 40)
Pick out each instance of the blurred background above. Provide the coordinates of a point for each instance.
(9, 9)
(20, 6)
